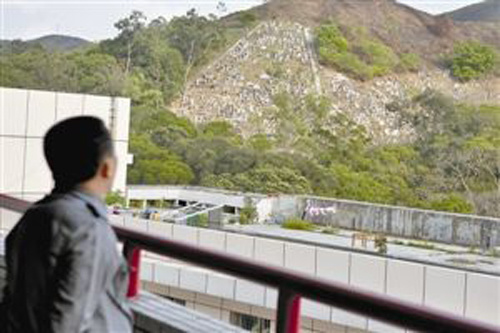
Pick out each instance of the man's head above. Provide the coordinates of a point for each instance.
(80, 152)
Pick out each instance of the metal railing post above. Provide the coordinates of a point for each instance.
(288, 317)
(132, 254)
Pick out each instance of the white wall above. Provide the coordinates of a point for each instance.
(456, 291)
(138, 192)
(262, 203)
(26, 115)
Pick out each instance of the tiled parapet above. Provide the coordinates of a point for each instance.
(154, 314)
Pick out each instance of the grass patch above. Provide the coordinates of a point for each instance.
(494, 252)
(472, 249)
(298, 224)
(330, 231)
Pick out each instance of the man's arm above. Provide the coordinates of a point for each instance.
(79, 280)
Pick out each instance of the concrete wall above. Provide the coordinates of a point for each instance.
(222, 308)
(154, 314)
(436, 226)
(26, 115)
(405, 222)
(190, 193)
(468, 294)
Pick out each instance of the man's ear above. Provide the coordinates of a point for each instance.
(107, 169)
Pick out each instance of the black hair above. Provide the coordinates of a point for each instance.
(74, 148)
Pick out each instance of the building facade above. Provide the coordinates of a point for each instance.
(25, 117)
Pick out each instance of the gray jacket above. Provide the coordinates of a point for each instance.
(64, 271)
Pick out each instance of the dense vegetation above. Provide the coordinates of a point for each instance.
(453, 163)
(360, 55)
(472, 60)
(363, 57)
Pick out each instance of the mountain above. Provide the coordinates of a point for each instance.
(60, 42)
(486, 11)
(404, 28)
(261, 83)
(51, 43)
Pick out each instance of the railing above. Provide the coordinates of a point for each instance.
(291, 286)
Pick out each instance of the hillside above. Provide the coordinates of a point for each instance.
(278, 56)
(60, 42)
(364, 100)
(51, 43)
(404, 28)
(486, 11)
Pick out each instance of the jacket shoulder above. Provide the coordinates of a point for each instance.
(68, 211)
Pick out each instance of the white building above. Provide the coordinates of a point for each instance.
(25, 117)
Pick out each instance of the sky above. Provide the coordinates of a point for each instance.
(94, 19)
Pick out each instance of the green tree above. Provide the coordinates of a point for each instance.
(272, 180)
(115, 198)
(248, 214)
(260, 142)
(220, 128)
(452, 203)
(154, 165)
(381, 57)
(96, 73)
(128, 27)
(161, 63)
(37, 69)
(471, 60)
(235, 160)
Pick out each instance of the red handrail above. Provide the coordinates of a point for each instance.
(291, 285)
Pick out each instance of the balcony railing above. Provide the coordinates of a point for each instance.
(291, 285)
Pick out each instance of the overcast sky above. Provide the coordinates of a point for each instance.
(93, 19)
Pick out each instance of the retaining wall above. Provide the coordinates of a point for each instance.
(461, 229)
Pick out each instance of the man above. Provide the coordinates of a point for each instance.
(64, 272)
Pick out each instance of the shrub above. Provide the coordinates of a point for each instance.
(362, 60)
(452, 203)
(276, 70)
(409, 62)
(298, 224)
(247, 18)
(330, 230)
(331, 39)
(248, 214)
(200, 221)
(472, 60)
(494, 252)
(219, 128)
(352, 65)
(380, 56)
(381, 244)
(115, 198)
(260, 142)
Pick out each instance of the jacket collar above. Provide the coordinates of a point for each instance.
(93, 203)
